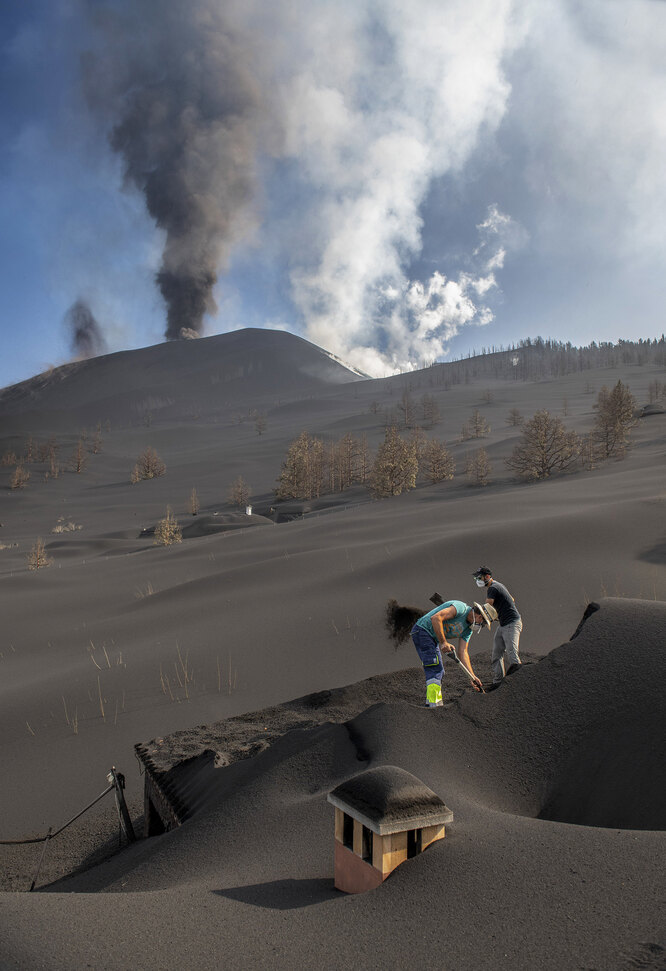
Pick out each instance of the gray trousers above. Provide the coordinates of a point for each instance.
(505, 649)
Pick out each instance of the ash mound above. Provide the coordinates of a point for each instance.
(574, 737)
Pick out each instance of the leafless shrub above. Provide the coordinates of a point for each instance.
(167, 531)
(20, 477)
(37, 557)
(65, 527)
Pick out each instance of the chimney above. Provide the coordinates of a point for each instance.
(383, 817)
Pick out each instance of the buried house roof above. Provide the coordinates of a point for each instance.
(388, 799)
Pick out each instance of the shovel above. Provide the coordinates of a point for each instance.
(454, 657)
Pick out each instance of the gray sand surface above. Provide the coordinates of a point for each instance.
(556, 780)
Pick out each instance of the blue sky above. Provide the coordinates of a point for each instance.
(397, 183)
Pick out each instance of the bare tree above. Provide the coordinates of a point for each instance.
(439, 463)
(96, 446)
(239, 492)
(302, 473)
(546, 447)
(148, 466)
(407, 409)
(514, 417)
(21, 477)
(616, 415)
(167, 530)
(478, 468)
(419, 443)
(476, 427)
(78, 458)
(430, 410)
(194, 502)
(395, 467)
(37, 557)
(656, 391)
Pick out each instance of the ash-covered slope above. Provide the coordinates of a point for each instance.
(574, 738)
(180, 378)
(508, 887)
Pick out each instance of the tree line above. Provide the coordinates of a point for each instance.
(539, 358)
(313, 467)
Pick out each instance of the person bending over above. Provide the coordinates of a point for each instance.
(505, 658)
(431, 636)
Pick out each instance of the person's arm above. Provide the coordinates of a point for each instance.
(447, 613)
(463, 654)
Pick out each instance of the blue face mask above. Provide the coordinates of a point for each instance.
(479, 582)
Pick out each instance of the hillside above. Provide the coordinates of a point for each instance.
(120, 641)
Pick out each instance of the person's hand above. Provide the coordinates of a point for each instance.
(477, 684)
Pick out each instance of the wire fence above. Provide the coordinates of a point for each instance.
(116, 785)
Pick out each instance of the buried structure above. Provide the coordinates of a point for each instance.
(383, 817)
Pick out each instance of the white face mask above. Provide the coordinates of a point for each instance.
(479, 582)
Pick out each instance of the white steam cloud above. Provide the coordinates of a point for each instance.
(405, 103)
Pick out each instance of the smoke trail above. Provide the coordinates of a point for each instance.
(171, 80)
(86, 337)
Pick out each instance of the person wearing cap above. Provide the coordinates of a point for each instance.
(505, 658)
(431, 634)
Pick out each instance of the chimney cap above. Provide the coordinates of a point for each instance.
(388, 799)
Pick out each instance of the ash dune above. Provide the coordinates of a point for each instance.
(556, 780)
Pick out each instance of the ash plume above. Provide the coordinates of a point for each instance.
(344, 114)
(171, 81)
(86, 338)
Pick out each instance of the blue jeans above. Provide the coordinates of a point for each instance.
(429, 654)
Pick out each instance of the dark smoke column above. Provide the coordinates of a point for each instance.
(171, 82)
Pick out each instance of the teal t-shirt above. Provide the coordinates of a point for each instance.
(454, 627)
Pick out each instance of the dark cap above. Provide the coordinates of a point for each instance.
(482, 571)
